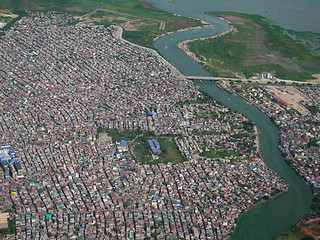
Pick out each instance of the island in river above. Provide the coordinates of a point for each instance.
(254, 46)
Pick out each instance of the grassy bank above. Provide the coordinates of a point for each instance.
(255, 46)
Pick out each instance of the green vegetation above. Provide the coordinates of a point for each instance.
(309, 39)
(313, 142)
(255, 46)
(313, 109)
(116, 135)
(170, 152)
(248, 126)
(147, 32)
(38, 4)
(316, 205)
(11, 228)
(139, 37)
(139, 146)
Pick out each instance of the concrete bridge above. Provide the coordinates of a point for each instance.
(254, 80)
(215, 79)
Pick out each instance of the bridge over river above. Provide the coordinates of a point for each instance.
(252, 80)
(214, 79)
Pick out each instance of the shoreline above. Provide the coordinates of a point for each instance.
(205, 25)
(256, 205)
(184, 45)
(288, 164)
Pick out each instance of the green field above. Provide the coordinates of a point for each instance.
(168, 147)
(255, 46)
(140, 149)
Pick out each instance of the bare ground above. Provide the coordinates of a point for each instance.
(290, 95)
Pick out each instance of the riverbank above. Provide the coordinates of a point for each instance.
(259, 204)
(257, 142)
(185, 47)
(204, 25)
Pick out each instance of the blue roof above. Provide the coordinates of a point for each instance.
(156, 144)
(122, 143)
(7, 156)
(149, 113)
(156, 150)
(5, 162)
(151, 143)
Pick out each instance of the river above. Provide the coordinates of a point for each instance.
(263, 222)
(289, 14)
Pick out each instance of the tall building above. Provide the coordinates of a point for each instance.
(9, 162)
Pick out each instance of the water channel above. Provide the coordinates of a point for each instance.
(263, 222)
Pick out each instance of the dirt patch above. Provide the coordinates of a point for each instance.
(235, 19)
(291, 96)
(234, 31)
(104, 138)
(147, 5)
(76, 9)
(131, 25)
(11, 15)
(317, 78)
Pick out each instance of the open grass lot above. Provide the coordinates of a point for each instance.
(168, 147)
(255, 46)
(127, 135)
(140, 149)
(140, 20)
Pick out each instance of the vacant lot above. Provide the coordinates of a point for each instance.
(290, 95)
